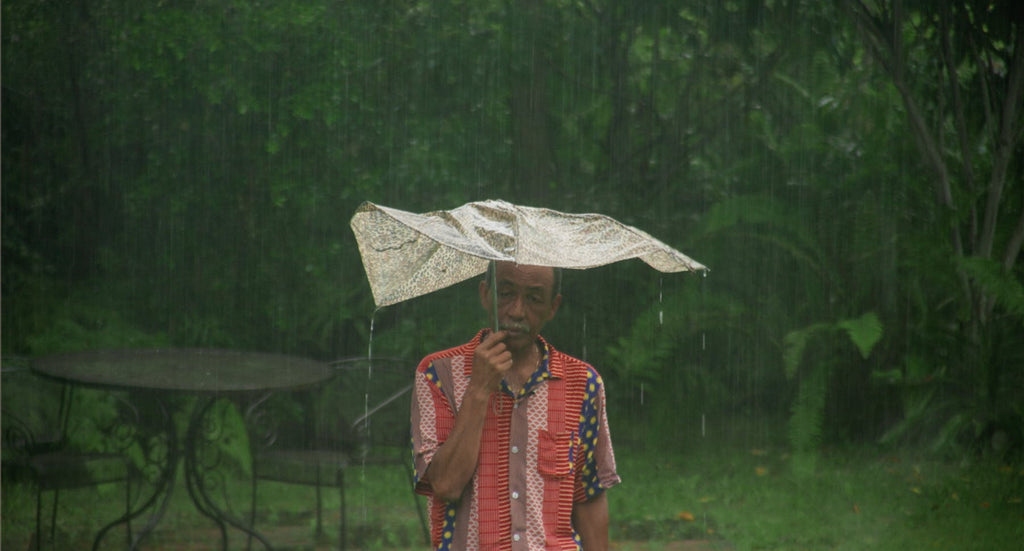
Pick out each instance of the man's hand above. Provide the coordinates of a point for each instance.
(491, 361)
(455, 461)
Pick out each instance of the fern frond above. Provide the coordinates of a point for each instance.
(864, 331)
(996, 281)
(808, 411)
(788, 231)
(793, 345)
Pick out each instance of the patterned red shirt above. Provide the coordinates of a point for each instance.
(542, 450)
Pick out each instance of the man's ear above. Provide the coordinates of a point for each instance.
(555, 303)
(485, 295)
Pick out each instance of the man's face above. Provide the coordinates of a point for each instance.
(526, 301)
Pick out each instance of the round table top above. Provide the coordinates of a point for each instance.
(189, 369)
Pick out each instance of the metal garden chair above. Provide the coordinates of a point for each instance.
(36, 420)
(305, 438)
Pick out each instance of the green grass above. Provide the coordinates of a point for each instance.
(737, 495)
(380, 509)
(856, 499)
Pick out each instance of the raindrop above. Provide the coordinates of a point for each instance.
(369, 368)
(661, 294)
(369, 348)
(584, 336)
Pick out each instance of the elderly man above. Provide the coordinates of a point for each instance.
(511, 438)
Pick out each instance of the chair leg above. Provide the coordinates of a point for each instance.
(343, 529)
(39, 517)
(252, 512)
(53, 518)
(319, 507)
(128, 507)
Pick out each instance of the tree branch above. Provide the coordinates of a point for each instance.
(1013, 246)
(958, 113)
(873, 35)
(926, 142)
(1004, 146)
(983, 63)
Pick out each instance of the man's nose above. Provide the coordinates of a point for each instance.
(515, 308)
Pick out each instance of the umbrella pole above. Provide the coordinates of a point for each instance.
(494, 294)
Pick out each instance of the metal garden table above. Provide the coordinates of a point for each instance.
(153, 377)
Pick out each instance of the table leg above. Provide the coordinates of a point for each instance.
(163, 487)
(195, 477)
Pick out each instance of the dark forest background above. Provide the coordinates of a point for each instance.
(182, 173)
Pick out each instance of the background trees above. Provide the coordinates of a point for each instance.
(184, 172)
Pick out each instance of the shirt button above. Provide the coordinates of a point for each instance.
(515, 495)
(515, 449)
(515, 537)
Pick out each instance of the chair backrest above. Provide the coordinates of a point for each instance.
(41, 415)
(364, 406)
(35, 412)
(383, 387)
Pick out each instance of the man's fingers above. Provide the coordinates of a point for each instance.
(493, 358)
(493, 339)
(499, 357)
(503, 361)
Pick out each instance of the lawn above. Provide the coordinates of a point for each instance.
(856, 499)
(713, 496)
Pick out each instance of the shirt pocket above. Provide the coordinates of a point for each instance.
(556, 453)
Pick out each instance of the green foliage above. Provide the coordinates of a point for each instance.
(965, 120)
(224, 431)
(939, 416)
(659, 368)
(864, 332)
(997, 283)
(808, 409)
(81, 323)
(182, 174)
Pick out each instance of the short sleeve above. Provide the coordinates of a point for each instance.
(596, 469)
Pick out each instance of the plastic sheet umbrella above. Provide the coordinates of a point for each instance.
(407, 255)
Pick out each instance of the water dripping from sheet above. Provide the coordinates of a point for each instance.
(369, 368)
(703, 348)
(661, 295)
(366, 416)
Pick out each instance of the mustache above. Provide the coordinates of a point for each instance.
(514, 326)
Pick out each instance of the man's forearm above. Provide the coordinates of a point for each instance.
(455, 461)
(590, 518)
